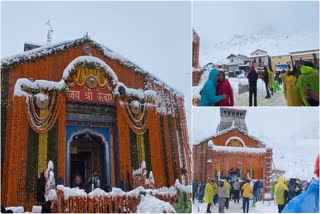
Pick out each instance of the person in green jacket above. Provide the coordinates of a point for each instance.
(184, 205)
(308, 84)
(227, 186)
(280, 191)
(208, 93)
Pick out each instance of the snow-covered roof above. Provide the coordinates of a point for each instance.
(239, 149)
(229, 130)
(51, 49)
(258, 50)
(257, 56)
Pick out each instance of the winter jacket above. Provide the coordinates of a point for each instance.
(309, 76)
(183, 206)
(222, 192)
(271, 79)
(236, 186)
(227, 186)
(280, 191)
(209, 192)
(266, 77)
(208, 95)
(195, 187)
(306, 202)
(201, 191)
(224, 87)
(253, 77)
(246, 190)
(291, 92)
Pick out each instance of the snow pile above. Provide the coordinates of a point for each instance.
(36, 209)
(138, 93)
(238, 149)
(18, 209)
(274, 43)
(50, 181)
(150, 204)
(178, 185)
(97, 193)
(52, 195)
(38, 84)
(89, 59)
(71, 192)
(141, 170)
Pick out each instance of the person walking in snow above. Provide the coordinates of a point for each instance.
(293, 190)
(225, 88)
(266, 81)
(236, 191)
(227, 186)
(290, 90)
(210, 191)
(271, 80)
(222, 197)
(194, 189)
(308, 201)
(201, 192)
(208, 93)
(281, 192)
(247, 190)
(253, 78)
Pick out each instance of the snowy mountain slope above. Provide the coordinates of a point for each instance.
(275, 43)
(296, 156)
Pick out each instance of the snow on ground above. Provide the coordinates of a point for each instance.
(266, 207)
(150, 204)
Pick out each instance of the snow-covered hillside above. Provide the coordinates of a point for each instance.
(275, 43)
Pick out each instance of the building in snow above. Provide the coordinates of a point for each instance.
(87, 108)
(234, 61)
(196, 70)
(307, 55)
(280, 62)
(232, 151)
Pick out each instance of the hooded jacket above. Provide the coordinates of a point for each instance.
(271, 78)
(291, 92)
(306, 202)
(224, 87)
(246, 190)
(227, 186)
(280, 191)
(208, 96)
(309, 76)
(210, 191)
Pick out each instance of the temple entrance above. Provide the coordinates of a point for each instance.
(88, 151)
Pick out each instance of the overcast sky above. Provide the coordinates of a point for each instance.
(216, 21)
(154, 35)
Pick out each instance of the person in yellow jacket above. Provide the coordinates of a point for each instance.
(209, 193)
(280, 191)
(290, 89)
(247, 190)
(227, 186)
(271, 80)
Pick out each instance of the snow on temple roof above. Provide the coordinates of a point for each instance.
(62, 46)
(229, 130)
(239, 149)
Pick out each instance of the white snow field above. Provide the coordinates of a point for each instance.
(266, 207)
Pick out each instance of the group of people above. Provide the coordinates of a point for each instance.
(219, 193)
(92, 183)
(217, 91)
(301, 88)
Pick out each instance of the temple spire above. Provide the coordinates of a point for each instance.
(50, 31)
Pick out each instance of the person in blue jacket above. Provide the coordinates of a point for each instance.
(208, 94)
(308, 201)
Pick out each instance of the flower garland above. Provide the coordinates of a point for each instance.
(43, 147)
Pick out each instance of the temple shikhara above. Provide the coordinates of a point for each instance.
(86, 108)
(232, 152)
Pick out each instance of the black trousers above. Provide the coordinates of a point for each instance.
(280, 207)
(227, 203)
(208, 208)
(236, 196)
(267, 88)
(253, 94)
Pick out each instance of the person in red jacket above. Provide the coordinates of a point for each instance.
(224, 87)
